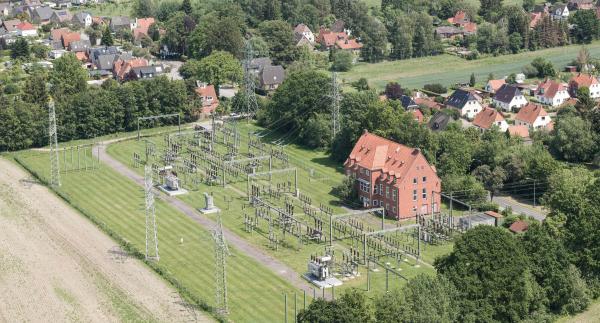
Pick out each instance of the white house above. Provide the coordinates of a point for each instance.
(466, 102)
(509, 97)
(533, 116)
(585, 80)
(560, 11)
(26, 29)
(488, 118)
(302, 30)
(552, 93)
(82, 19)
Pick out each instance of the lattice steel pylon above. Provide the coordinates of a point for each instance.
(53, 136)
(151, 231)
(249, 85)
(221, 253)
(335, 105)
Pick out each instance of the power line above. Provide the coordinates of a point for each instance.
(53, 136)
(249, 85)
(151, 232)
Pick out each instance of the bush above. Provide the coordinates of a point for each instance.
(435, 88)
(342, 61)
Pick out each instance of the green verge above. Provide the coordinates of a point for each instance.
(116, 205)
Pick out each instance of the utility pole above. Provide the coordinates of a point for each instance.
(151, 232)
(249, 85)
(53, 136)
(335, 105)
(221, 253)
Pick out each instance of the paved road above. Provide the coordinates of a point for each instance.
(518, 207)
(238, 242)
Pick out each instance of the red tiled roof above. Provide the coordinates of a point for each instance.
(470, 27)
(208, 91)
(550, 88)
(328, 38)
(418, 115)
(377, 153)
(530, 112)
(519, 226)
(493, 214)
(143, 24)
(583, 80)
(459, 17)
(24, 25)
(121, 67)
(487, 117)
(496, 84)
(535, 18)
(57, 34)
(69, 37)
(82, 56)
(519, 131)
(428, 103)
(348, 44)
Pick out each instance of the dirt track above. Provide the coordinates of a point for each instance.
(57, 266)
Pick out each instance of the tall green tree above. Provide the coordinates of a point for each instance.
(374, 38)
(574, 139)
(279, 37)
(20, 49)
(186, 6)
(585, 26)
(107, 39)
(217, 34)
(490, 10)
(143, 8)
(67, 77)
(490, 271)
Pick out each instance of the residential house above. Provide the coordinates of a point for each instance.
(257, 64)
(339, 26)
(144, 72)
(449, 32)
(120, 23)
(519, 226)
(26, 29)
(57, 33)
(5, 9)
(559, 12)
(82, 56)
(121, 67)
(494, 85)
(508, 98)
(488, 118)
(80, 46)
(461, 20)
(580, 5)
(302, 31)
(305, 42)
(65, 4)
(519, 131)
(56, 53)
(11, 26)
(535, 18)
(142, 27)
(417, 115)
(408, 103)
(439, 121)
(551, 93)
(349, 45)
(82, 19)
(208, 98)
(270, 77)
(329, 39)
(584, 80)
(466, 102)
(532, 116)
(68, 37)
(427, 102)
(61, 16)
(393, 176)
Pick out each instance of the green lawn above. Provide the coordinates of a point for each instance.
(109, 9)
(448, 69)
(255, 293)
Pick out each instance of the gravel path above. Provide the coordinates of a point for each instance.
(56, 266)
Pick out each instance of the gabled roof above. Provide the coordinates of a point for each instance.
(470, 27)
(428, 103)
(56, 34)
(80, 45)
(535, 18)
(145, 22)
(459, 18)
(487, 118)
(44, 13)
(81, 16)
(584, 80)
(459, 98)
(519, 131)
(82, 56)
(272, 74)
(62, 15)
(530, 113)
(260, 62)
(348, 44)
(439, 121)
(496, 84)
(507, 93)
(26, 26)
(376, 153)
(549, 88)
(69, 37)
(11, 25)
(105, 61)
(301, 28)
(122, 67)
(120, 21)
(407, 102)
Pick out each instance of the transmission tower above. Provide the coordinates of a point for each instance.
(335, 105)
(151, 234)
(221, 253)
(249, 85)
(54, 166)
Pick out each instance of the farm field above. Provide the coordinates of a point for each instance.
(449, 69)
(255, 293)
(317, 176)
(55, 261)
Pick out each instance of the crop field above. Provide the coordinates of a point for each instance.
(448, 69)
(255, 293)
(317, 176)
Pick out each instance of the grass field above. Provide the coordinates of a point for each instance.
(255, 293)
(448, 69)
(317, 175)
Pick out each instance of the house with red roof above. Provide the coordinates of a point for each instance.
(302, 31)
(532, 116)
(494, 85)
(208, 98)
(26, 29)
(417, 115)
(394, 177)
(519, 131)
(552, 93)
(143, 24)
(329, 39)
(461, 19)
(519, 226)
(584, 80)
(535, 18)
(489, 117)
(68, 37)
(121, 68)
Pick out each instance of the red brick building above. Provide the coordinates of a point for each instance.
(393, 176)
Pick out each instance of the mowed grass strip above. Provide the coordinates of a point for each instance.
(449, 69)
(255, 293)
